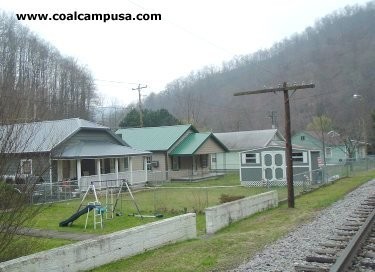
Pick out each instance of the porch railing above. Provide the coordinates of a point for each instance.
(112, 179)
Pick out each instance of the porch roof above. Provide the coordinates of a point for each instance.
(96, 149)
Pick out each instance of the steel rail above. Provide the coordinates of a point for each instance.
(344, 261)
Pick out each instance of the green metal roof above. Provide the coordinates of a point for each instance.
(154, 138)
(192, 143)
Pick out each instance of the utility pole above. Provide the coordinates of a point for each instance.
(140, 102)
(273, 116)
(289, 163)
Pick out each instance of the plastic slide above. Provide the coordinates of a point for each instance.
(70, 220)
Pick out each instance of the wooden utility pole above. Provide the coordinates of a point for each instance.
(140, 102)
(289, 163)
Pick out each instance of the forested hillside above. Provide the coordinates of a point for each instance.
(337, 54)
(36, 82)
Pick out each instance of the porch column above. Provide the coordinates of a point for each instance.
(145, 167)
(59, 170)
(116, 171)
(98, 170)
(192, 165)
(131, 169)
(50, 174)
(79, 173)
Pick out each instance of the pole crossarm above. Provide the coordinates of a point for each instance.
(278, 89)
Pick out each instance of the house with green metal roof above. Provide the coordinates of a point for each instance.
(70, 151)
(178, 152)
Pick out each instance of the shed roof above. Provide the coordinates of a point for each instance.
(243, 140)
(154, 138)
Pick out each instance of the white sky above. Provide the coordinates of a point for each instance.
(192, 34)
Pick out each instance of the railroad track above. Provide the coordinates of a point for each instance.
(351, 248)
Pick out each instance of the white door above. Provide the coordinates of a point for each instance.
(273, 165)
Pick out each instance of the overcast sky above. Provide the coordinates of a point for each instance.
(191, 34)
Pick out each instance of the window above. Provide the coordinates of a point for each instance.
(213, 158)
(26, 167)
(148, 162)
(126, 163)
(328, 152)
(299, 157)
(302, 138)
(175, 163)
(250, 158)
(204, 161)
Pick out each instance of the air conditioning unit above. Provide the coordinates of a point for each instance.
(155, 164)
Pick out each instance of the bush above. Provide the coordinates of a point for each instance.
(227, 198)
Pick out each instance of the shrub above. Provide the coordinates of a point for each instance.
(228, 198)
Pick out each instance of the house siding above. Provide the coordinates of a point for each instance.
(227, 161)
(209, 147)
(40, 165)
(137, 163)
(92, 135)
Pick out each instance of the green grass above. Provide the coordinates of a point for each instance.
(25, 245)
(241, 240)
(171, 199)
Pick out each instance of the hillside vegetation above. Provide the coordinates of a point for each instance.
(337, 54)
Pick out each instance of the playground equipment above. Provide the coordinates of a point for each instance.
(94, 206)
(136, 206)
(112, 197)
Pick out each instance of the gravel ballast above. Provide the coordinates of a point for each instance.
(292, 249)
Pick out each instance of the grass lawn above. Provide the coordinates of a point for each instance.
(241, 240)
(25, 245)
(170, 199)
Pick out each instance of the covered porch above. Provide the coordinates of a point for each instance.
(103, 163)
(106, 172)
(191, 160)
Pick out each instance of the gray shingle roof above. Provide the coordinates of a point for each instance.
(96, 149)
(43, 136)
(243, 140)
(47, 135)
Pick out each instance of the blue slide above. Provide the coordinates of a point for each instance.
(70, 220)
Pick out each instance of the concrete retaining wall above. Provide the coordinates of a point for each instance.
(220, 216)
(107, 248)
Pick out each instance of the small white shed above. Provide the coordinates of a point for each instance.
(267, 166)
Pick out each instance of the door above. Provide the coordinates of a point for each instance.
(273, 165)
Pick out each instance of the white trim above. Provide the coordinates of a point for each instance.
(79, 172)
(310, 166)
(131, 169)
(116, 171)
(304, 155)
(273, 167)
(31, 166)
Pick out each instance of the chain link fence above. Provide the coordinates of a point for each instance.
(195, 194)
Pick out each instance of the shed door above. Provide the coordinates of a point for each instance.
(273, 165)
